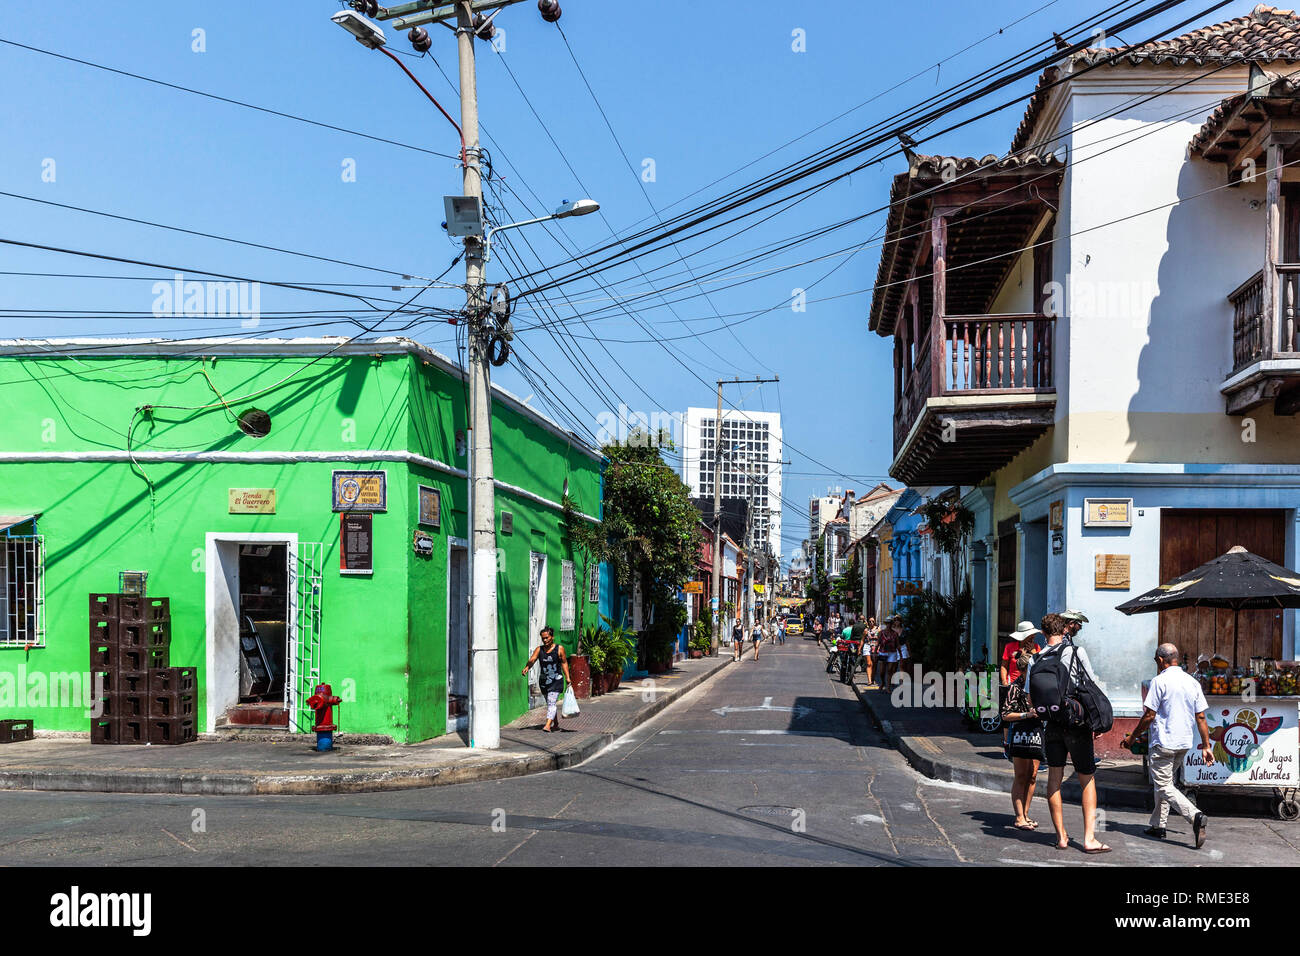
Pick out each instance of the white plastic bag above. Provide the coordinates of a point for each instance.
(570, 706)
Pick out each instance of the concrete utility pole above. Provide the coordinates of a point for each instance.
(485, 703)
(717, 500)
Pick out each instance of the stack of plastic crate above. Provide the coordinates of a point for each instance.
(142, 699)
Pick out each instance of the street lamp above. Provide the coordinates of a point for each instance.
(366, 33)
(579, 207)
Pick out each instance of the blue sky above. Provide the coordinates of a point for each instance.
(698, 89)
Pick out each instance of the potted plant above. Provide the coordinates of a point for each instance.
(596, 643)
(580, 668)
(704, 632)
(620, 647)
(701, 640)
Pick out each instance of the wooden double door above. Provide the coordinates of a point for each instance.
(1190, 538)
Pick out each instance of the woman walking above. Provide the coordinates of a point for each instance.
(1025, 738)
(554, 674)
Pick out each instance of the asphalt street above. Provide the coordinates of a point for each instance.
(770, 763)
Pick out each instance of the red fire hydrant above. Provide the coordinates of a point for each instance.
(323, 703)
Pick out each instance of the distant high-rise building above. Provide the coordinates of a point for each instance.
(751, 463)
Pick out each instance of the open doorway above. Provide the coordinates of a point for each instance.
(249, 609)
(458, 673)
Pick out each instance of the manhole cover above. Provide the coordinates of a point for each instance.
(769, 811)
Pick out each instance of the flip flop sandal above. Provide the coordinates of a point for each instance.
(1023, 826)
(1100, 849)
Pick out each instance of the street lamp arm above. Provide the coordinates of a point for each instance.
(487, 239)
(459, 132)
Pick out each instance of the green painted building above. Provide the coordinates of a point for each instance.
(228, 470)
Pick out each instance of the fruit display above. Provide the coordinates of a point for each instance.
(1219, 684)
(1286, 681)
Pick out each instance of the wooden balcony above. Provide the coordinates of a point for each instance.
(982, 391)
(1265, 342)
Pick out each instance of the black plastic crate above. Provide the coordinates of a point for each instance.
(171, 730)
(171, 705)
(103, 657)
(152, 636)
(103, 631)
(125, 705)
(141, 658)
(133, 730)
(16, 729)
(103, 607)
(105, 730)
(173, 680)
(138, 609)
(126, 682)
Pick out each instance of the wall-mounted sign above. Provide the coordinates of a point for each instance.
(422, 544)
(252, 501)
(1108, 512)
(759, 588)
(1056, 516)
(360, 491)
(430, 506)
(907, 588)
(1058, 543)
(693, 587)
(357, 543)
(1112, 572)
(507, 523)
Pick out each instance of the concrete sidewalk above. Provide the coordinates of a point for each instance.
(937, 743)
(289, 765)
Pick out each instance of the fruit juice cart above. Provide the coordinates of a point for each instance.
(1252, 714)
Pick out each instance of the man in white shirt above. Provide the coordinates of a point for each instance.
(1174, 706)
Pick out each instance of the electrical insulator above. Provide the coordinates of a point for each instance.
(549, 9)
(420, 40)
(484, 28)
(369, 8)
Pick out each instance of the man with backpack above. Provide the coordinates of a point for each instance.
(1054, 679)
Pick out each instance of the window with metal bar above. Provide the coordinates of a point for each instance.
(22, 590)
(568, 603)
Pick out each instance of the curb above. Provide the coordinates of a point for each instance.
(938, 768)
(308, 782)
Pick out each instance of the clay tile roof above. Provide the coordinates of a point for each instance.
(1266, 34)
(1231, 116)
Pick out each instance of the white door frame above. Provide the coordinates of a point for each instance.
(461, 722)
(213, 595)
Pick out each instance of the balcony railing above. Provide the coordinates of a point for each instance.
(978, 355)
(837, 567)
(1254, 337)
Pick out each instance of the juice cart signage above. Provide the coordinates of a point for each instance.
(1253, 743)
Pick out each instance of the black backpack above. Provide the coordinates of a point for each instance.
(1097, 714)
(1067, 695)
(1049, 687)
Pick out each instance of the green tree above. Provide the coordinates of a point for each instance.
(818, 584)
(650, 526)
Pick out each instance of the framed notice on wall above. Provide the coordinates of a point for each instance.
(1108, 512)
(430, 506)
(360, 491)
(1112, 572)
(1056, 515)
(357, 543)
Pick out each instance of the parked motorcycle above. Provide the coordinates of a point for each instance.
(845, 657)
